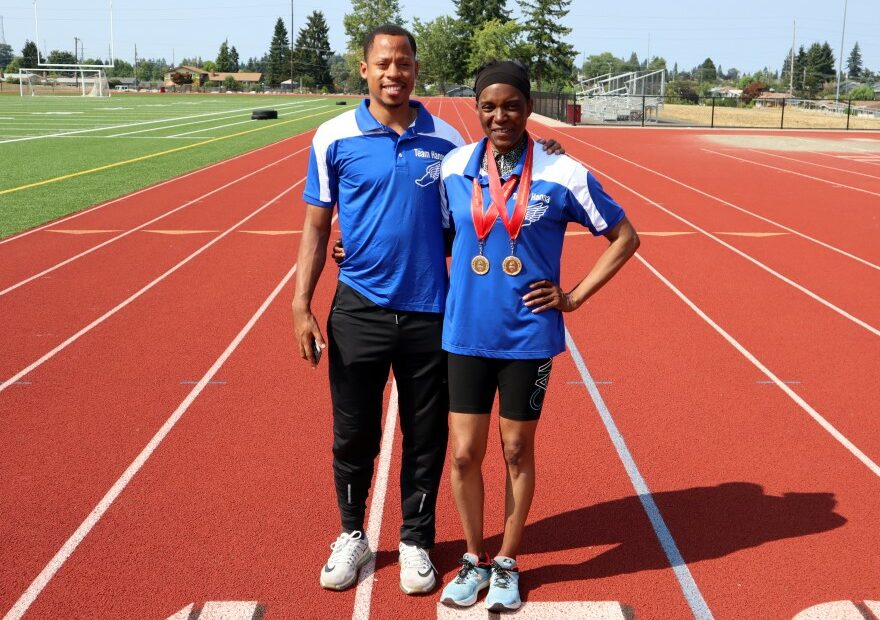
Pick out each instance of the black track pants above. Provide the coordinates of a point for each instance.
(365, 341)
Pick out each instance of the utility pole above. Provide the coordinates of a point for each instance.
(840, 59)
(291, 46)
(136, 86)
(2, 32)
(791, 62)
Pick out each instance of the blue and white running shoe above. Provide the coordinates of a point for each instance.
(472, 577)
(503, 585)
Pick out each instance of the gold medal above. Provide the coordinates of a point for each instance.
(512, 265)
(480, 265)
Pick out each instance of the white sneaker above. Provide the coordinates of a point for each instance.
(350, 552)
(417, 573)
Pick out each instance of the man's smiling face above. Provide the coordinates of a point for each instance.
(390, 70)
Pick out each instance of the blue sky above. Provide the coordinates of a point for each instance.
(746, 34)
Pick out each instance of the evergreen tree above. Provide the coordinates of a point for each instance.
(278, 61)
(29, 55)
(234, 60)
(633, 63)
(223, 62)
(475, 13)
(800, 68)
(853, 63)
(819, 67)
(6, 55)
(312, 52)
(707, 71)
(553, 59)
(366, 15)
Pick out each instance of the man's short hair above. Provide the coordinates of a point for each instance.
(392, 30)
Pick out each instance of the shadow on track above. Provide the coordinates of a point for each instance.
(706, 523)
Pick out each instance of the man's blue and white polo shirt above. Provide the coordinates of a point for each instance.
(485, 315)
(386, 186)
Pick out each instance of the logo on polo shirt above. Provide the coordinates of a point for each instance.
(432, 173)
(537, 208)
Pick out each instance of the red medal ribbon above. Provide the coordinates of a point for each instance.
(500, 195)
(483, 222)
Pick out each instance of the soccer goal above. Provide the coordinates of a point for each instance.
(64, 80)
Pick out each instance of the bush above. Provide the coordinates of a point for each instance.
(230, 83)
(863, 92)
(752, 90)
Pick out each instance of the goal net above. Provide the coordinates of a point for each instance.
(66, 80)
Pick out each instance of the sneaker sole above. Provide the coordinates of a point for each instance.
(344, 586)
(417, 591)
(499, 607)
(451, 602)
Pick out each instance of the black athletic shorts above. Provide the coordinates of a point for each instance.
(521, 385)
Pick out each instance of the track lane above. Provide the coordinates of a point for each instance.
(780, 199)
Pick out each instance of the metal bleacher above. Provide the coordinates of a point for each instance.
(630, 96)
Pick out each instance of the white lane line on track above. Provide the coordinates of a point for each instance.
(825, 424)
(145, 189)
(689, 587)
(140, 292)
(42, 580)
(152, 221)
(364, 593)
(748, 257)
(150, 122)
(812, 163)
(800, 174)
(727, 203)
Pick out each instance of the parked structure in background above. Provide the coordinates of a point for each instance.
(202, 76)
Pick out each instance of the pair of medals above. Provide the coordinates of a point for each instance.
(500, 194)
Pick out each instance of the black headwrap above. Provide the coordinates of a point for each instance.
(507, 72)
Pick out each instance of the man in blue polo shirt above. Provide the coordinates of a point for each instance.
(380, 164)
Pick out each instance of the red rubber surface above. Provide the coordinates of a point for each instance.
(771, 514)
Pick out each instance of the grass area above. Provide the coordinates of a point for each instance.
(44, 138)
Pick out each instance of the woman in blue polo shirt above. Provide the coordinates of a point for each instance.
(509, 205)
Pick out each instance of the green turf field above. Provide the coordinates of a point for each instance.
(51, 146)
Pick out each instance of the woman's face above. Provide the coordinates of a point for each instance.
(503, 112)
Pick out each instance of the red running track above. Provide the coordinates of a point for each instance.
(769, 512)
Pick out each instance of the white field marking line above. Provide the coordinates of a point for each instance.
(199, 122)
(812, 163)
(364, 594)
(145, 224)
(107, 128)
(752, 260)
(689, 587)
(42, 580)
(724, 202)
(146, 189)
(800, 174)
(140, 292)
(213, 127)
(825, 424)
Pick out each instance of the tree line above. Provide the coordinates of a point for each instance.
(450, 48)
